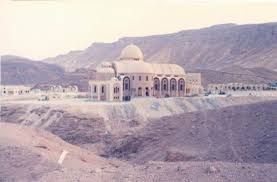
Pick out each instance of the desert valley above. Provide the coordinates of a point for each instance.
(195, 105)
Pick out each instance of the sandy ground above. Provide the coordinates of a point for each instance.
(22, 159)
(28, 154)
(198, 139)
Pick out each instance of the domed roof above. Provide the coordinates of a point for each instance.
(131, 52)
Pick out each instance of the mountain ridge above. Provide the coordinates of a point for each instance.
(215, 47)
(18, 70)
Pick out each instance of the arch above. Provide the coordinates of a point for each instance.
(157, 85)
(173, 87)
(126, 89)
(164, 84)
(103, 93)
(181, 87)
(139, 91)
(164, 87)
(146, 91)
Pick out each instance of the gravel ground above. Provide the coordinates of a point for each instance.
(233, 143)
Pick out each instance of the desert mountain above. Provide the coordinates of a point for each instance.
(215, 47)
(222, 53)
(18, 70)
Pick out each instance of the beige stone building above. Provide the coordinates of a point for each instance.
(131, 76)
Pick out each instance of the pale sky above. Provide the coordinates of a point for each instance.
(43, 28)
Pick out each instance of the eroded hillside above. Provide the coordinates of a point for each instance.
(233, 139)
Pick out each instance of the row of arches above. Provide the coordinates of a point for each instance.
(162, 87)
(169, 87)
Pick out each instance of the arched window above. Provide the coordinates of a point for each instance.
(156, 84)
(181, 84)
(164, 84)
(102, 89)
(126, 83)
(173, 84)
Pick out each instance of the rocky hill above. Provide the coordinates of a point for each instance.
(17, 70)
(215, 48)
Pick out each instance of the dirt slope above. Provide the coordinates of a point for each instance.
(29, 154)
(244, 133)
(229, 142)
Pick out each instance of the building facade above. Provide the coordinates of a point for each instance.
(131, 76)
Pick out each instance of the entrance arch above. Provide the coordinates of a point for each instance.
(126, 89)
(157, 86)
(147, 91)
(181, 87)
(173, 87)
(164, 86)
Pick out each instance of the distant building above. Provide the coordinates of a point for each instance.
(220, 88)
(64, 89)
(193, 81)
(131, 76)
(50, 88)
(15, 90)
(273, 86)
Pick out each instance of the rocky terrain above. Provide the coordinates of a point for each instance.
(213, 48)
(16, 70)
(217, 139)
(236, 134)
(22, 71)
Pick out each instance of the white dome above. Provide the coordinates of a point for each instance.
(131, 52)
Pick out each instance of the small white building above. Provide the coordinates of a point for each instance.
(50, 88)
(15, 90)
(228, 87)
